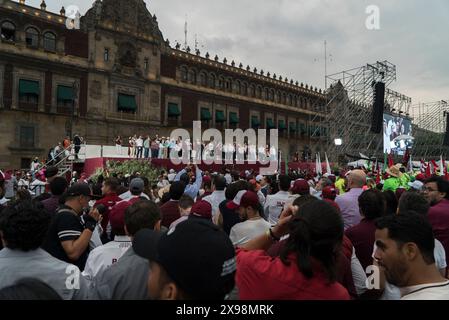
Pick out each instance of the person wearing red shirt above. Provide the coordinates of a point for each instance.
(117, 213)
(436, 191)
(372, 206)
(306, 268)
(170, 210)
(110, 198)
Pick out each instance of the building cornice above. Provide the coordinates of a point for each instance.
(237, 71)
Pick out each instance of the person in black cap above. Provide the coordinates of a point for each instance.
(194, 260)
(68, 236)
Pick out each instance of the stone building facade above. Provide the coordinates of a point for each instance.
(117, 75)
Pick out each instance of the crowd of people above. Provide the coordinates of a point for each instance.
(146, 147)
(196, 234)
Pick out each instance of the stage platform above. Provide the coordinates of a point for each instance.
(92, 164)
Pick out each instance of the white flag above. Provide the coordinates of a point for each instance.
(328, 166)
(441, 166)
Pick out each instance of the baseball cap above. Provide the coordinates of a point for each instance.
(235, 203)
(329, 193)
(79, 189)
(136, 185)
(301, 187)
(417, 185)
(244, 199)
(249, 199)
(201, 209)
(206, 179)
(205, 253)
(420, 177)
(259, 178)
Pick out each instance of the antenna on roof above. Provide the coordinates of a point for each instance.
(185, 34)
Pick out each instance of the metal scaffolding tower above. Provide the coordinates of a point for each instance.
(429, 129)
(350, 100)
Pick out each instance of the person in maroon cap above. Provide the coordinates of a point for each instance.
(329, 193)
(201, 210)
(421, 177)
(253, 224)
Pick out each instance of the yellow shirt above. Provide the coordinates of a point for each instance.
(340, 185)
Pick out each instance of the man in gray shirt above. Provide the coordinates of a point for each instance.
(23, 226)
(127, 278)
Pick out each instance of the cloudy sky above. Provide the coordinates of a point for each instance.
(287, 37)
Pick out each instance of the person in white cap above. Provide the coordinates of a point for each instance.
(416, 185)
(171, 175)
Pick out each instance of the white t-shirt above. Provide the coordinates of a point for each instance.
(274, 205)
(431, 291)
(171, 177)
(127, 195)
(391, 292)
(106, 255)
(245, 231)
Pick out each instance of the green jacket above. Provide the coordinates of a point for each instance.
(405, 179)
(392, 184)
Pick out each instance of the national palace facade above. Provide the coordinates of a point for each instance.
(117, 75)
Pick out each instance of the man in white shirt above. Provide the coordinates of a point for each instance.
(254, 225)
(37, 187)
(274, 204)
(218, 195)
(171, 175)
(405, 253)
(163, 181)
(139, 146)
(141, 215)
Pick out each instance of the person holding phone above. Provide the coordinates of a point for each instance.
(68, 235)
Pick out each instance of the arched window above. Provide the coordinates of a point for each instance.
(272, 95)
(289, 100)
(284, 98)
(49, 41)
(32, 37)
(259, 92)
(295, 101)
(267, 94)
(228, 85)
(278, 97)
(192, 76)
(221, 83)
(8, 31)
(252, 91)
(244, 89)
(203, 79)
(238, 87)
(211, 81)
(184, 74)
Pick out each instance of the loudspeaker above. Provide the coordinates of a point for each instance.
(378, 107)
(446, 136)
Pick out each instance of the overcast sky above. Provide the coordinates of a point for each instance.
(287, 37)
